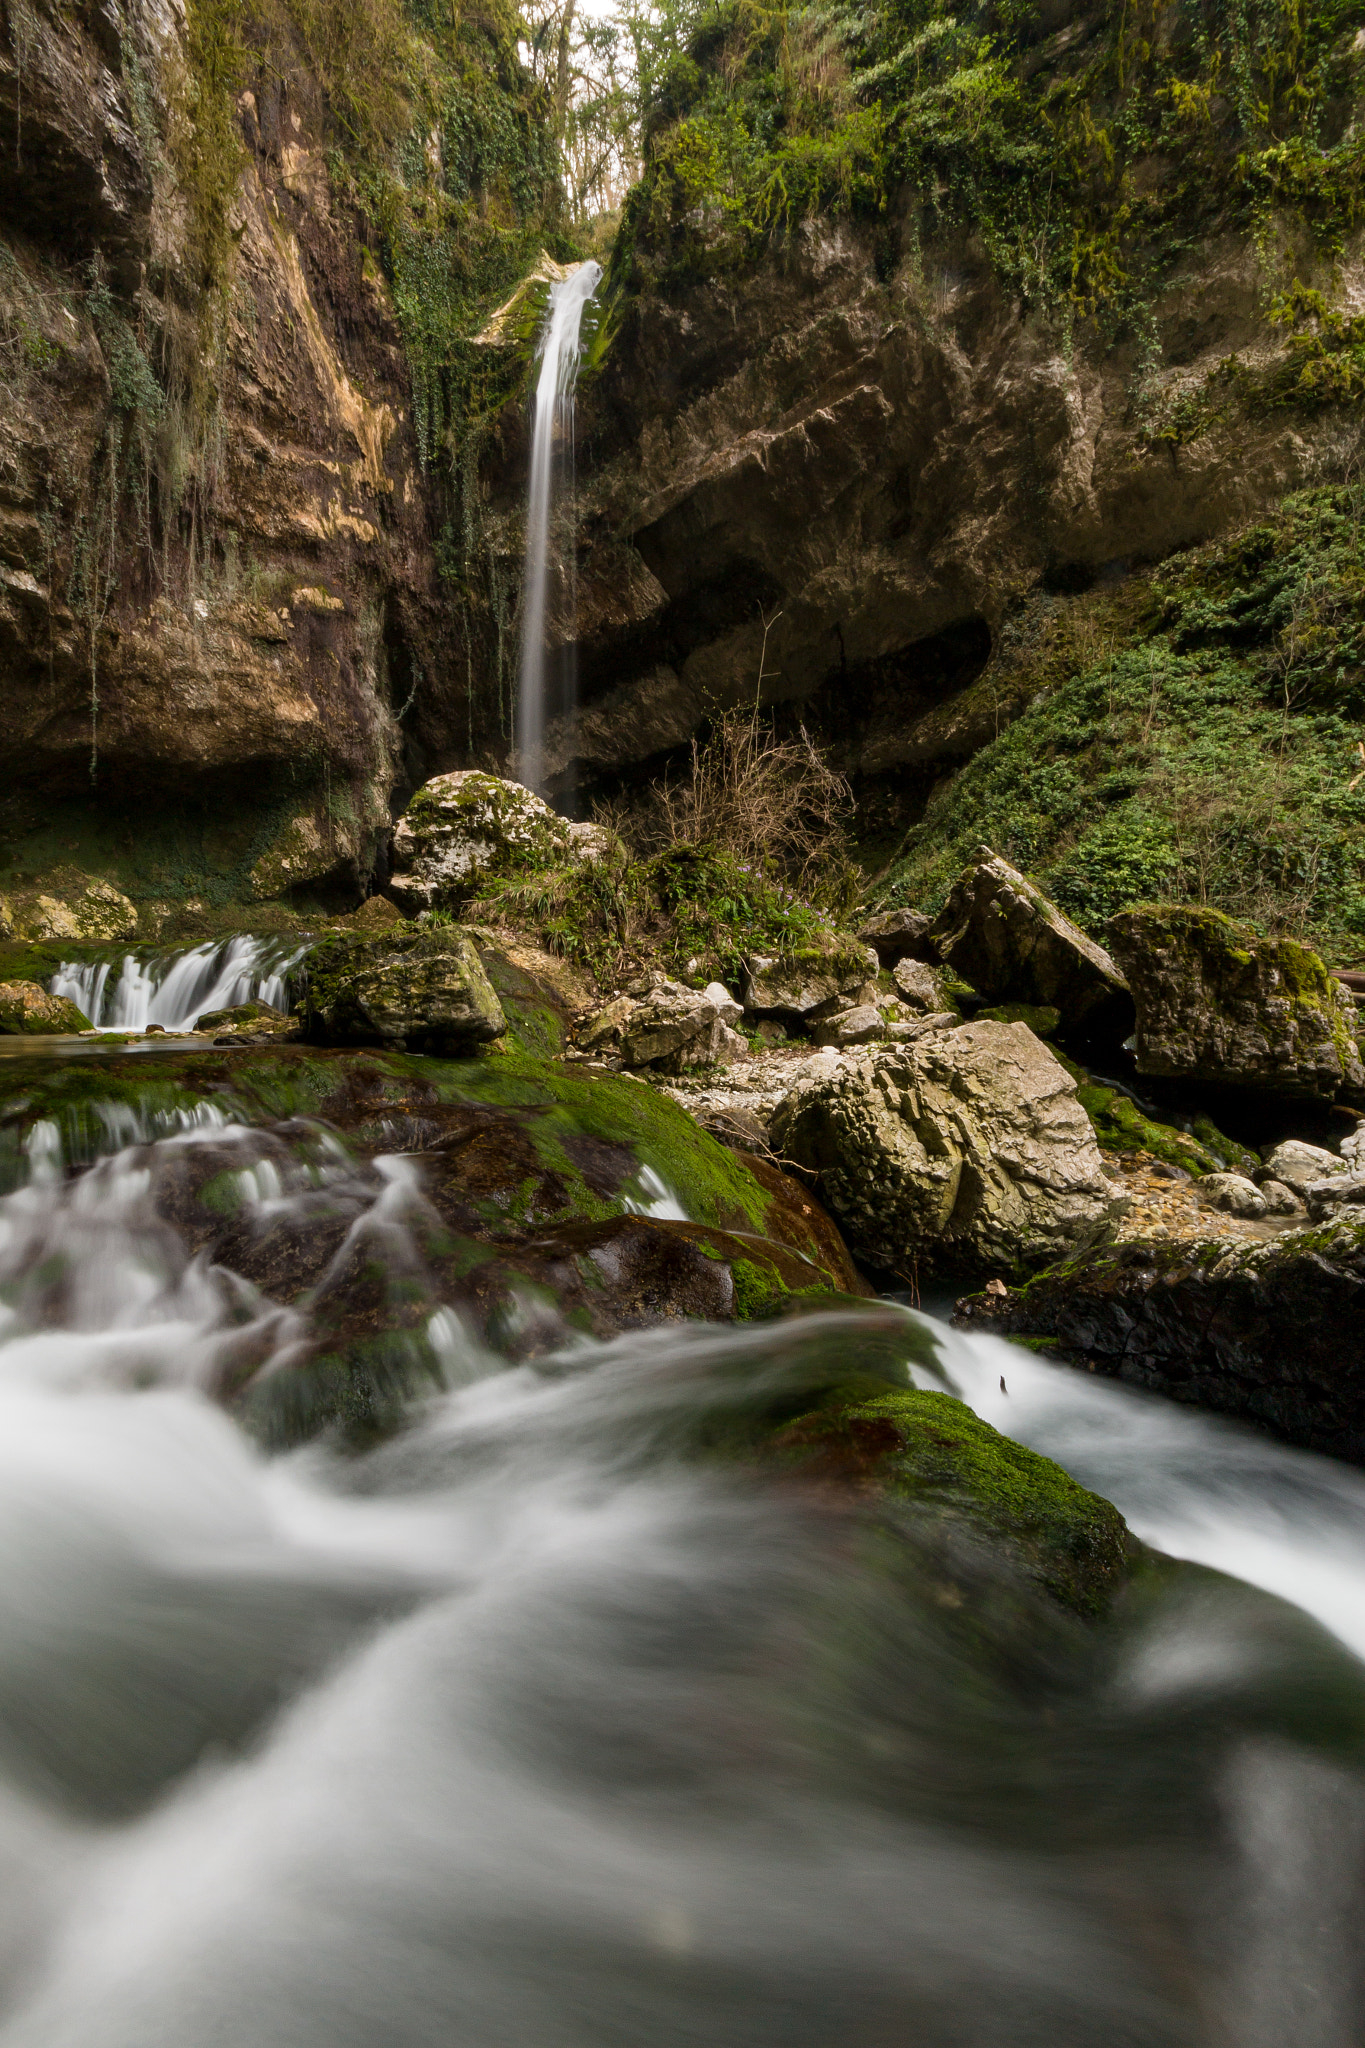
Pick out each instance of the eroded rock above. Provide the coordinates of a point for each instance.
(1003, 935)
(1216, 1002)
(966, 1145)
(817, 980)
(91, 914)
(1233, 1192)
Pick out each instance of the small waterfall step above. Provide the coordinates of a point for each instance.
(176, 988)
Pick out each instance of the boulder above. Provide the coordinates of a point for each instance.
(255, 1021)
(1002, 935)
(965, 1146)
(861, 1025)
(1325, 1199)
(676, 1027)
(920, 985)
(418, 987)
(1269, 1330)
(1280, 1200)
(27, 1010)
(1215, 1002)
(1297, 1164)
(462, 828)
(1233, 1193)
(896, 935)
(815, 980)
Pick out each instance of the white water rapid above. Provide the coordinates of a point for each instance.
(529, 1728)
(175, 989)
(551, 449)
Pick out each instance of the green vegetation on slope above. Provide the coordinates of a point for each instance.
(1087, 161)
(1210, 754)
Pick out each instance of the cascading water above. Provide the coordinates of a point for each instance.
(551, 445)
(529, 1726)
(175, 989)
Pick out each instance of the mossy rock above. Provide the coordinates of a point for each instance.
(411, 985)
(931, 1449)
(1120, 1126)
(1042, 1019)
(28, 1010)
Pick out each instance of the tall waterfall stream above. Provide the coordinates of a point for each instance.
(525, 1730)
(551, 438)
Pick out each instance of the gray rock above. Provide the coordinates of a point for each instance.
(1297, 1164)
(1216, 1002)
(1231, 1192)
(422, 988)
(916, 1027)
(919, 985)
(1327, 1198)
(801, 984)
(859, 1026)
(727, 1009)
(676, 1027)
(1280, 1200)
(1002, 935)
(966, 1145)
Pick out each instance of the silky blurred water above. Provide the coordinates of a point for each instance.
(531, 1725)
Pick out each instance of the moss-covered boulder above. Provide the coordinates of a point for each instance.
(27, 1009)
(932, 1450)
(464, 828)
(1216, 1002)
(414, 986)
(965, 1147)
(1011, 943)
(253, 1020)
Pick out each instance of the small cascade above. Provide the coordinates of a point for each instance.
(551, 450)
(175, 989)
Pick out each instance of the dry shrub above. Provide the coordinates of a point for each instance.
(775, 803)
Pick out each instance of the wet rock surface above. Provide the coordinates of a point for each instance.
(1217, 1003)
(368, 1192)
(1272, 1332)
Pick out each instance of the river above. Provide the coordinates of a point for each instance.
(524, 1727)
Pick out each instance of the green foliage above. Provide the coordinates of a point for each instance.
(1086, 160)
(1210, 756)
(698, 907)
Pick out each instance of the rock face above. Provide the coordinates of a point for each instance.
(899, 935)
(1216, 1003)
(1274, 1332)
(863, 436)
(1298, 1164)
(1004, 937)
(269, 591)
(423, 989)
(463, 827)
(27, 1008)
(966, 1147)
(89, 912)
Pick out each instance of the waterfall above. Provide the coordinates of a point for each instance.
(175, 989)
(551, 433)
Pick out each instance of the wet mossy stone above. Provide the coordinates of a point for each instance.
(1121, 1127)
(26, 1009)
(515, 1142)
(932, 1450)
(1043, 1019)
(1217, 1002)
(462, 828)
(415, 986)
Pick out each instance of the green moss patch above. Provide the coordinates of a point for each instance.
(931, 1449)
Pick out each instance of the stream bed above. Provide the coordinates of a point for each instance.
(524, 1726)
